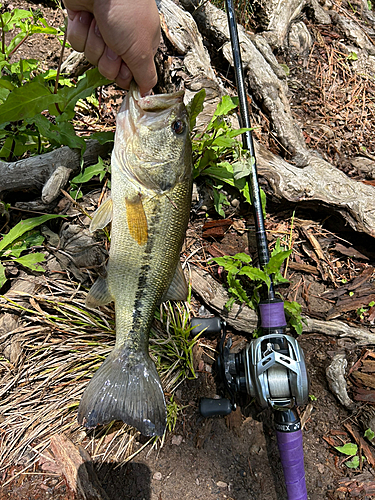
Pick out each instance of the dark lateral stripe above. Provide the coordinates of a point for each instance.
(143, 275)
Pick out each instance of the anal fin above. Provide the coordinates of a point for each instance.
(178, 289)
(99, 294)
(102, 216)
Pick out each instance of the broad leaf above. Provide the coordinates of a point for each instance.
(103, 137)
(275, 261)
(31, 261)
(85, 87)
(196, 106)
(2, 275)
(27, 101)
(90, 172)
(22, 227)
(226, 104)
(353, 463)
(349, 449)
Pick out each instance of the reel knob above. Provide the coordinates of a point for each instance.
(212, 407)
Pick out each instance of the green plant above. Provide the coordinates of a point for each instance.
(244, 281)
(100, 169)
(362, 311)
(218, 156)
(369, 434)
(173, 411)
(350, 449)
(20, 239)
(36, 107)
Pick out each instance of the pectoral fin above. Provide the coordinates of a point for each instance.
(178, 289)
(102, 216)
(99, 294)
(136, 218)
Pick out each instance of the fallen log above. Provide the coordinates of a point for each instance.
(32, 173)
(77, 468)
(245, 320)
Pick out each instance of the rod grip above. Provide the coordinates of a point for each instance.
(291, 454)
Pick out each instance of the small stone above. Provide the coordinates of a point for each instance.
(197, 481)
(177, 440)
(235, 203)
(221, 484)
(157, 476)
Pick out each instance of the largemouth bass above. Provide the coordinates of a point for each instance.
(149, 209)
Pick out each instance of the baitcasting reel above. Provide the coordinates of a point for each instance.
(270, 368)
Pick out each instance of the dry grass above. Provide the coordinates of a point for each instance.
(62, 344)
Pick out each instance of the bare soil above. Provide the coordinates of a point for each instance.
(236, 457)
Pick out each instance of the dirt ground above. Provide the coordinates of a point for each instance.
(236, 457)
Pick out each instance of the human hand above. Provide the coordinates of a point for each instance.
(121, 37)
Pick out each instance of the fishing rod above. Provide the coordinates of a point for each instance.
(271, 368)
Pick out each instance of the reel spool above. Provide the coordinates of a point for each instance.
(270, 368)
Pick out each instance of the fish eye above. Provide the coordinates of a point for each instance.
(178, 127)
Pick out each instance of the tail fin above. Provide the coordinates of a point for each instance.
(126, 387)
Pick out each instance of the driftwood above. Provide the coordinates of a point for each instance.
(32, 173)
(245, 319)
(309, 180)
(77, 468)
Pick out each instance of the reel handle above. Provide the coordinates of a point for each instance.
(209, 407)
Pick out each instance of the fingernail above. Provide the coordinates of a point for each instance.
(111, 55)
(124, 71)
(97, 30)
(85, 18)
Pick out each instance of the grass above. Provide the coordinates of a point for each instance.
(62, 344)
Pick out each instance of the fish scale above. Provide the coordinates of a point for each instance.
(149, 209)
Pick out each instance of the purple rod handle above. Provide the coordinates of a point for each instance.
(291, 454)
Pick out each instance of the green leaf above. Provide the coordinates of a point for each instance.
(353, 463)
(220, 199)
(276, 261)
(27, 101)
(22, 227)
(349, 449)
(89, 172)
(369, 434)
(103, 137)
(243, 257)
(255, 274)
(2, 275)
(86, 86)
(226, 105)
(31, 261)
(242, 168)
(195, 107)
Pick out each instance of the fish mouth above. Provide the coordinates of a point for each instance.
(156, 102)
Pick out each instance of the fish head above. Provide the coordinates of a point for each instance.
(152, 144)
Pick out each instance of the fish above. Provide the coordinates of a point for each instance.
(149, 207)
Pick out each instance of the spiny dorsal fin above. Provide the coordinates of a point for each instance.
(178, 289)
(137, 222)
(103, 216)
(99, 294)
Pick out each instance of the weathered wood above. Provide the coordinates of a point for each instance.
(319, 184)
(32, 173)
(77, 468)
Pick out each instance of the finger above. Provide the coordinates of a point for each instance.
(94, 44)
(124, 77)
(144, 73)
(109, 64)
(78, 29)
